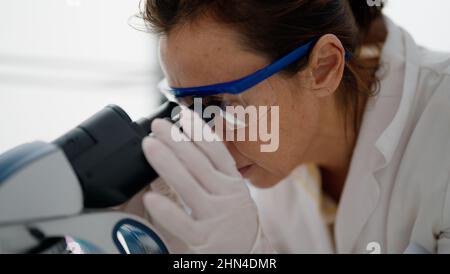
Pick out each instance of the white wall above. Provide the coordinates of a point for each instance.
(63, 60)
(428, 21)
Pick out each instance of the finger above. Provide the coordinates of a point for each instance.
(195, 160)
(173, 219)
(174, 173)
(162, 188)
(216, 151)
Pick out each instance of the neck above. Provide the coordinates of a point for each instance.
(335, 166)
(334, 149)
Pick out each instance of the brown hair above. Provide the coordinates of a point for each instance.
(276, 27)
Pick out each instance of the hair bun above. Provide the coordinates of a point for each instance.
(365, 12)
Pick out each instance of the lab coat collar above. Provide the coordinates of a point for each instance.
(361, 194)
(387, 143)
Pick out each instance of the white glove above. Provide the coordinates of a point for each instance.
(135, 206)
(174, 243)
(224, 217)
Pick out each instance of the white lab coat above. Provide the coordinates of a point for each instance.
(397, 194)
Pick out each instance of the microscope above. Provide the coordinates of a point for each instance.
(58, 197)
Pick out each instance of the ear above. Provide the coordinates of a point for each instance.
(326, 65)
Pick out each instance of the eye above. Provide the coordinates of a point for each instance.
(213, 101)
(205, 101)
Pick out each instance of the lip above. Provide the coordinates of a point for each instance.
(243, 170)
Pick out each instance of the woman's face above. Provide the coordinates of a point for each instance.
(205, 53)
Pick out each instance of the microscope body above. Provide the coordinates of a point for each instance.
(51, 191)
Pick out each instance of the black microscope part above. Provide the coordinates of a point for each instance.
(105, 153)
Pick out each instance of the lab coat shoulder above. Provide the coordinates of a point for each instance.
(424, 173)
(437, 61)
(433, 82)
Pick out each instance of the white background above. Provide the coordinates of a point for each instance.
(428, 21)
(63, 60)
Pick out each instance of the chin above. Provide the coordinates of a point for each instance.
(261, 179)
(263, 185)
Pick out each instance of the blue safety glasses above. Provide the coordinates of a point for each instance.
(241, 85)
(251, 90)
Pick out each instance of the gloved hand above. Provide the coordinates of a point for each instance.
(223, 217)
(136, 207)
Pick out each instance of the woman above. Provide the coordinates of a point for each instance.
(363, 163)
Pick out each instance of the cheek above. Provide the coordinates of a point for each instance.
(268, 168)
(298, 121)
(299, 118)
(245, 151)
(265, 171)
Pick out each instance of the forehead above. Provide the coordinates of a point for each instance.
(205, 52)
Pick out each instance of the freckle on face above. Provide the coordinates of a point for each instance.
(210, 53)
(191, 58)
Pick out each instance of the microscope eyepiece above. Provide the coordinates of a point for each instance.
(105, 153)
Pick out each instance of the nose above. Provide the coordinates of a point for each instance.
(232, 149)
(229, 145)
(237, 156)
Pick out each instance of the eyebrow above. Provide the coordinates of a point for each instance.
(243, 84)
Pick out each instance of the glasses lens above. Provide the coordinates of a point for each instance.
(237, 111)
